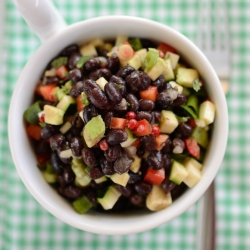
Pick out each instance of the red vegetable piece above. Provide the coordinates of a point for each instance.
(155, 176)
(46, 91)
(155, 131)
(192, 123)
(103, 145)
(160, 141)
(132, 124)
(165, 48)
(143, 128)
(131, 115)
(192, 147)
(79, 103)
(117, 123)
(62, 71)
(150, 93)
(34, 131)
(137, 143)
(42, 159)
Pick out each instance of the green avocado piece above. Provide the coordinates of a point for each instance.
(31, 114)
(94, 131)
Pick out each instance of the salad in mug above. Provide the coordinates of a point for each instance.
(120, 124)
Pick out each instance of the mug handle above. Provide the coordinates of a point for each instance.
(41, 16)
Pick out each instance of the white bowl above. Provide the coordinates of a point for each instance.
(24, 157)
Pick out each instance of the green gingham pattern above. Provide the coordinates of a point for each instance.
(24, 224)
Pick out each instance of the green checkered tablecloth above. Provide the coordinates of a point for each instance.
(24, 224)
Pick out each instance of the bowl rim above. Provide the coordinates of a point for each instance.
(157, 218)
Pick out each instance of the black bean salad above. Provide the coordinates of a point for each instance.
(120, 124)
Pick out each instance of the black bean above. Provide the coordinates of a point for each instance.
(185, 129)
(140, 152)
(163, 100)
(167, 161)
(154, 160)
(140, 115)
(133, 102)
(107, 118)
(123, 163)
(137, 200)
(159, 82)
(116, 136)
(168, 185)
(77, 89)
(96, 173)
(113, 152)
(165, 87)
(89, 112)
(76, 145)
(48, 131)
(92, 196)
(149, 142)
(113, 63)
(107, 167)
(113, 92)
(73, 59)
(52, 79)
(94, 75)
(98, 98)
(89, 157)
(74, 132)
(125, 191)
(133, 81)
(98, 186)
(178, 190)
(123, 72)
(89, 85)
(180, 100)
(77, 121)
(42, 147)
(73, 192)
(145, 81)
(121, 84)
(75, 75)
(146, 105)
(92, 64)
(56, 162)
(67, 51)
(143, 187)
(134, 178)
(57, 141)
(167, 146)
(157, 116)
(68, 175)
(146, 43)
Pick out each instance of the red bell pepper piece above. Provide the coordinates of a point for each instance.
(165, 48)
(160, 141)
(117, 123)
(79, 104)
(46, 91)
(192, 147)
(150, 93)
(155, 176)
(34, 131)
(143, 128)
(62, 71)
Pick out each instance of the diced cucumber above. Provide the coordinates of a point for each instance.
(207, 112)
(193, 102)
(60, 94)
(158, 199)
(142, 55)
(178, 86)
(135, 43)
(130, 139)
(67, 153)
(53, 115)
(121, 39)
(31, 114)
(178, 173)
(50, 177)
(121, 179)
(168, 122)
(191, 161)
(174, 58)
(101, 179)
(135, 62)
(82, 204)
(110, 198)
(65, 102)
(136, 164)
(65, 127)
(157, 69)
(201, 136)
(168, 72)
(186, 76)
(101, 82)
(193, 177)
(151, 59)
(88, 50)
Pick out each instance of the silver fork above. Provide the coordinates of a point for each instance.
(213, 40)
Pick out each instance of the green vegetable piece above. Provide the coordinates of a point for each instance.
(85, 100)
(31, 114)
(82, 204)
(190, 111)
(58, 62)
(151, 58)
(196, 84)
(80, 63)
(135, 43)
(193, 102)
(201, 136)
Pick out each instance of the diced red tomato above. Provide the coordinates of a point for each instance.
(192, 123)
(62, 71)
(137, 143)
(117, 123)
(42, 159)
(143, 128)
(150, 93)
(79, 104)
(155, 176)
(192, 147)
(165, 48)
(46, 91)
(160, 141)
(34, 131)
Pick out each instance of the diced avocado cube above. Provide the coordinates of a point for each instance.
(201, 136)
(31, 114)
(193, 177)
(101, 82)
(94, 131)
(191, 161)
(130, 139)
(178, 86)
(121, 179)
(168, 72)
(136, 164)
(186, 76)
(65, 102)
(174, 58)
(50, 177)
(88, 50)
(82, 178)
(157, 69)
(135, 62)
(207, 112)
(82, 204)
(178, 173)
(60, 94)
(53, 115)
(158, 199)
(168, 122)
(101, 179)
(110, 198)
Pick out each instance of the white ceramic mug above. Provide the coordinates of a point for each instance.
(51, 29)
